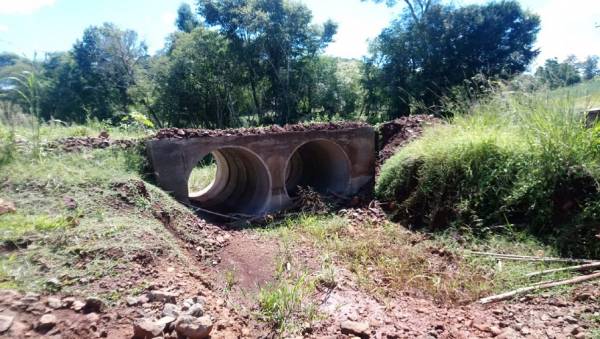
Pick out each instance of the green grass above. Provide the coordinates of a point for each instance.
(286, 303)
(523, 158)
(201, 177)
(388, 260)
(81, 218)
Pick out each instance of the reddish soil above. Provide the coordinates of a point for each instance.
(249, 260)
(185, 133)
(396, 133)
(75, 144)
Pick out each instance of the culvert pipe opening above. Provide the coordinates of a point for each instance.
(241, 183)
(321, 164)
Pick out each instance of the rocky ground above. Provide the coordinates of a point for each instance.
(169, 301)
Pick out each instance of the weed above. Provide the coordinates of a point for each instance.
(230, 280)
(285, 303)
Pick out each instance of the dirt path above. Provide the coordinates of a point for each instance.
(349, 310)
(226, 285)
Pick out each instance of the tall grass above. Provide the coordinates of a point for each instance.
(519, 158)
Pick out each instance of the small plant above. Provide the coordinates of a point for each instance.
(230, 280)
(285, 303)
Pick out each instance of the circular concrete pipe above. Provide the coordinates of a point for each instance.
(321, 164)
(242, 183)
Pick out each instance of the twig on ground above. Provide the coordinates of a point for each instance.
(196, 209)
(562, 269)
(530, 258)
(510, 294)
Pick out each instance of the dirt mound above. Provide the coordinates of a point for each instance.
(396, 133)
(186, 133)
(76, 144)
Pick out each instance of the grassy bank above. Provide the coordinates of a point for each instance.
(83, 219)
(517, 161)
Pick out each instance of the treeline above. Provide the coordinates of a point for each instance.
(253, 62)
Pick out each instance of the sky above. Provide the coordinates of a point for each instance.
(40, 26)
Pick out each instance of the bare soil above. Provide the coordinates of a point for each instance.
(227, 268)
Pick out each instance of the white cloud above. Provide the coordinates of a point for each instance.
(23, 6)
(3, 28)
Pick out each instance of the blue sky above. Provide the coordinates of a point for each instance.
(28, 26)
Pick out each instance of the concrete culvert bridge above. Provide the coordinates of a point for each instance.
(241, 183)
(258, 170)
(321, 165)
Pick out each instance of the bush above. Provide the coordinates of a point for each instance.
(527, 160)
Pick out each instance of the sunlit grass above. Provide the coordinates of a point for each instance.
(201, 177)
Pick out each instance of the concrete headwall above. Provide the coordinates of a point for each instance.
(259, 173)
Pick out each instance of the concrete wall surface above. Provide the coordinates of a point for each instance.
(260, 173)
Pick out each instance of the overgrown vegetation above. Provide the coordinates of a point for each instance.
(524, 159)
(388, 259)
(81, 217)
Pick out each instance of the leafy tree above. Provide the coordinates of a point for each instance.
(186, 19)
(107, 59)
(432, 48)
(197, 82)
(556, 74)
(276, 44)
(589, 67)
(62, 98)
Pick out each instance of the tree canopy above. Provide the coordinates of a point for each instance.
(433, 47)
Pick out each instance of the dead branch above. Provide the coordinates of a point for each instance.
(562, 269)
(531, 258)
(196, 209)
(510, 294)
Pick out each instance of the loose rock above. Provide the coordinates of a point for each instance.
(194, 328)
(46, 322)
(170, 310)
(357, 328)
(146, 328)
(197, 310)
(54, 303)
(162, 296)
(5, 322)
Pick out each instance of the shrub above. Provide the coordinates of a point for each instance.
(527, 160)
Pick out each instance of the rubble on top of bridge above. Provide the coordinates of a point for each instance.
(186, 133)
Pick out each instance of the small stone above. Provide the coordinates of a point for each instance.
(170, 310)
(570, 320)
(46, 322)
(92, 317)
(164, 322)
(197, 310)
(162, 296)
(5, 322)
(30, 298)
(7, 207)
(187, 303)
(146, 328)
(495, 330)
(54, 303)
(93, 304)
(194, 328)
(68, 301)
(357, 328)
(132, 301)
(508, 333)
(77, 305)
